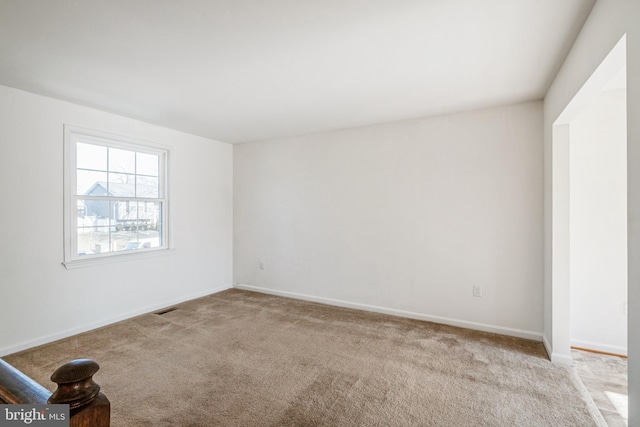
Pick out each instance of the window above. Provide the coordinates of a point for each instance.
(115, 196)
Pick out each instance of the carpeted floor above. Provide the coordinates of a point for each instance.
(239, 358)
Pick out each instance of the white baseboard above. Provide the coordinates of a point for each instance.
(561, 359)
(606, 348)
(74, 331)
(535, 336)
(547, 346)
(557, 358)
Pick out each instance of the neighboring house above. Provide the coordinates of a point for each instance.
(123, 215)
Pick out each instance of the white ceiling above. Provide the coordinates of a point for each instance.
(250, 70)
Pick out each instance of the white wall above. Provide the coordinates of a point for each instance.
(39, 299)
(598, 224)
(608, 22)
(401, 217)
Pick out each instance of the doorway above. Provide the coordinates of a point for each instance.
(589, 136)
(589, 233)
(598, 221)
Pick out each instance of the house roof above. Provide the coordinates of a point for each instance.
(248, 70)
(123, 189)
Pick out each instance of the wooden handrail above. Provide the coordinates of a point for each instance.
(17, 388)
(88, 407)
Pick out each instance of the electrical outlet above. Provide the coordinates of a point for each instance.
(261, 265)
(477, 290)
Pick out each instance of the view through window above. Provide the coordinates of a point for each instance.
(118, 195)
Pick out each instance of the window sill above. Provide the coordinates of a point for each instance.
(113, 259)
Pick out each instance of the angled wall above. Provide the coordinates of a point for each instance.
(608, 22)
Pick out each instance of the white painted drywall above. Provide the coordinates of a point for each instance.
(608, 22)
(560, 248)
(39, 299)
(598, 224)
(403, 217)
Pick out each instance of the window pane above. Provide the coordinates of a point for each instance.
(147, 187)
(138, 228)
(149, 215)
(93, 226)
(92, 183)
(93, 240)
(122, 185)
(125, 214)
(91, 156)
(114, 205)
(158, 220)
(122, 239)
(147, 164)
(122, 160)
(94, 210)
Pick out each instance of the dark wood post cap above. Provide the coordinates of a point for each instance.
(75, 383)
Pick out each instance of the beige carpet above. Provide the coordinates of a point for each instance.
(239, 358)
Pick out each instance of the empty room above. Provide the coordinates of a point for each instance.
(360, 213)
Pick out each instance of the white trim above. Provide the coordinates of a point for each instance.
(74, 331)
(535, 336)
(107, 139)
(117, 257)
(599, 347)
(74, 134)
(547, 346)
(560, 209)
(561, 359)
(611, 65)
(556, 358)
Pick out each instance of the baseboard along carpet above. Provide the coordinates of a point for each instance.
(240, 358)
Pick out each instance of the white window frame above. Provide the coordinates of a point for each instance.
(75, 134)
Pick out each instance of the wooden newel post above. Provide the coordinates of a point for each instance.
(89, 407)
